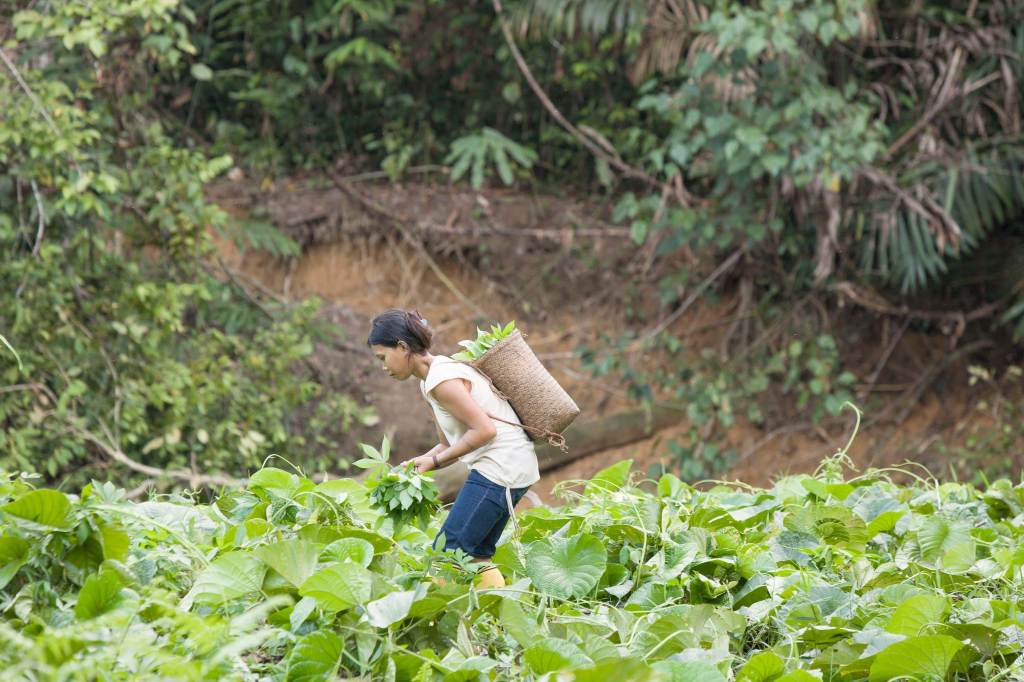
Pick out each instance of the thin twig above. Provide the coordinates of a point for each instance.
(382, 175)
(596, 149)
(913, 394)
(772, 435)
(884, 359)
(42, 219)
(140, 489)
(722, 268)
(245, 292)
(235, 278)
(37, 102)
(39, 234)
(539, 233)
(40, 388)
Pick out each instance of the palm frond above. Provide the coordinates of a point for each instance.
(908, 245)
(572, 17)
(665, 27)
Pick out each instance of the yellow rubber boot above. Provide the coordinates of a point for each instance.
(490, 578)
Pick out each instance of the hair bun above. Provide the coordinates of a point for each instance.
(396, 326)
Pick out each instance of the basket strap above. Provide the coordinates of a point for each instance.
(517, 532)
(489, 382)
(555, 439)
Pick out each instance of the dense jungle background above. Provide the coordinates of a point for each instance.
(716, 221)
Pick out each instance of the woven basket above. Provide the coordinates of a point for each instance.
(541, 403)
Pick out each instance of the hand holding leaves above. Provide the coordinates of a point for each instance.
(401, 492)
(422, 464)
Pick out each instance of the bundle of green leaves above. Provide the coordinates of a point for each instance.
(400, 492)
(484, 341)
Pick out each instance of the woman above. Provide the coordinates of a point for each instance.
(501, 459)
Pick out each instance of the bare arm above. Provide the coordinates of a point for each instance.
(441, 446)
(454, 396)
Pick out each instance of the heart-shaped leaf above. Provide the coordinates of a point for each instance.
(338, 587)
(566, 567)
(551, 654)
(229, 577)
(390, 608)
(914, 614)
(100, 593)
(295, 559)
(689, 671)
(13, 555)
(47, 509)
(315, 657)
(916, 658)
(356, 550)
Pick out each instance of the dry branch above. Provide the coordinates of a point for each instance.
(722, 268)
(399, 223)
(866, 298)
(193, 478)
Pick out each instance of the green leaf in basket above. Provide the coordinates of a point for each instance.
(484, 341)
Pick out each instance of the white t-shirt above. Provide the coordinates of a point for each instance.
(509, 459)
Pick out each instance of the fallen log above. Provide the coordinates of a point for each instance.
(583, 439)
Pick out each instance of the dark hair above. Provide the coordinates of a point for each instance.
(392, 326)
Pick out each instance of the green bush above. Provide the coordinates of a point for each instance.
(137, 354)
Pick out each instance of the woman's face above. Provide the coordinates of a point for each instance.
(397, 361)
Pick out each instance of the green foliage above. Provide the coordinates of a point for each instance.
(100, 593)
(660, 581)
(980, 195)
(763, 386)
(775, 123)
(311, 76)
(163, 26)
(484, 341)
(1014, 315)
(130, 346)
(990, 437)
(806, 134)
(316, 656)
(566, 567)
(126, 368)
(781, 121)
(473, 152)
(924, 657)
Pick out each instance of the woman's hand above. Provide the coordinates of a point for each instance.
(424, 463)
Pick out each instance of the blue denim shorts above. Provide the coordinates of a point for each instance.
(478, 517)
